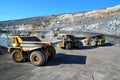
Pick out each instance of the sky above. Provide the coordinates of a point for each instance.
(18, 9)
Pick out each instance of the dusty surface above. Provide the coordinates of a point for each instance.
(88, 63)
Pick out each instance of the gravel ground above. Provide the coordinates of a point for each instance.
(88, 63)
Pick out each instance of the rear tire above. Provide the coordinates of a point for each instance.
(37, 58)
(18, 56)
(45, 54)
(51, 52)
(93, 43)
(79, 45)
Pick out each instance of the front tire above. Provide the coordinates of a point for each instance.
(37, 58)
(18, 56)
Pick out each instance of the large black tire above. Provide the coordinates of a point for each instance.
(37, 58)
(68, 46)
(45, 54)
(79, 45)
(51, 52)
(18, 56)
(76, 45)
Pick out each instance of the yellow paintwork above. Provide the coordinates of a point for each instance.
(101, 41)
(67, 36)
(16, 44)
(62, 44)
(9, 49)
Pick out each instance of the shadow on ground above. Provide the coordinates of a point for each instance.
(107, 44)
(62, 58)
(88, 47)
(93, 47)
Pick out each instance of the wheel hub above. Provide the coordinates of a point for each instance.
(17, 56)
(36, 58)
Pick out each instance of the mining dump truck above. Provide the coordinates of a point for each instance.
(96, 40)
(31, 48)
(69, 41)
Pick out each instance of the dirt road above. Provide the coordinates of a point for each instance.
(88, 63)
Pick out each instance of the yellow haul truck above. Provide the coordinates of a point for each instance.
(69, 41)
(31, 48)
(96, 40)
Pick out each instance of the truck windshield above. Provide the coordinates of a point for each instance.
(29, 39)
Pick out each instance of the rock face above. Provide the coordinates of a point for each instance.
(106, 21)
